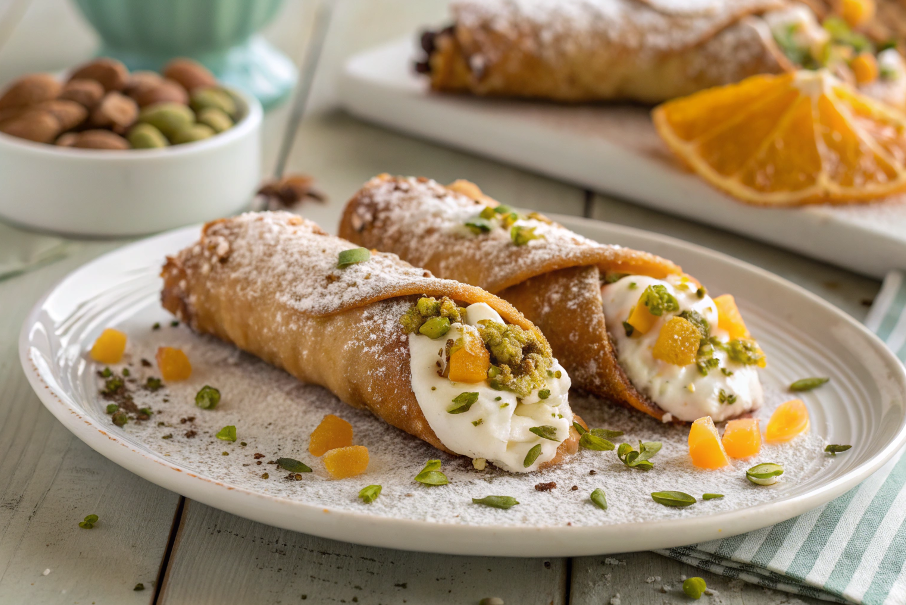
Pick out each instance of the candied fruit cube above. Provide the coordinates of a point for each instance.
(789, 420)
(705, 447)
(865, 68)
(109, 347)
(742, 438)
(677, 342)
(641, 319)
(729, 318)
(346, 462)
(333, 432)
(173, 364)
(471, 362)
(857, 12)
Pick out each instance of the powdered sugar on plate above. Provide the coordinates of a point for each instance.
(274, 415)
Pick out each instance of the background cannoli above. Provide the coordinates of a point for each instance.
(446, 362)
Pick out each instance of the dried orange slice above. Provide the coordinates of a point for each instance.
(796, 138)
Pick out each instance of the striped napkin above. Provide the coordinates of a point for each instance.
(851, 550)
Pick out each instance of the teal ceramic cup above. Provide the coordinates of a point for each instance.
(145, 34)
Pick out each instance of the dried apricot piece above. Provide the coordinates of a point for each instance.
(742, 438)
(333, 432)
(677, 342)
(173, 364)
(857, 12)
(109, 347)
(729, 318)
(705, 447)
(641, 319)
(789, 420)
(346, 462)
(471, 362)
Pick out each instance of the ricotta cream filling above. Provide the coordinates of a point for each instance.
(680, 390)
(497, 425)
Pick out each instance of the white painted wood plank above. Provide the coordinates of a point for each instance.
(49, 481)
(222, 559)
(848, 291)
(648, 578)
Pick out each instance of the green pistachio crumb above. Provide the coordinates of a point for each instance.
(370, 494)
(227, 433)
(292, 465)
(504, 502)
(694, 588)
(352, 257)
(207, 398)
(531, 456)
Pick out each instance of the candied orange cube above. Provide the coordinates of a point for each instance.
(704, 445)
(641, 318)
(677, 342)
(742, 438)
(333, 432)
(109, 347)
(346, 462)
(789, 420)
(729, 318)
(857, 12)
(865, 68)
(173, 364)
(471, 362)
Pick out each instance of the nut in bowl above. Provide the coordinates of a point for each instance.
(101, 151)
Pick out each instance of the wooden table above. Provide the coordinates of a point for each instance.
(185, 552)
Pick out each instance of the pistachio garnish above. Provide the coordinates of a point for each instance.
(435, 327)
(545, 432)
(766, 473)
(833, 450)
(807, 384)
(369, 494)
(638, 459)
(712, 496)
(677, 499)
(352, 257)
(531, 456)
(598, 499)
(504, 502)
(431, 475)
(463, 402)
(292, 465)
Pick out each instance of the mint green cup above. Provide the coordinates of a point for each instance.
(145, 34)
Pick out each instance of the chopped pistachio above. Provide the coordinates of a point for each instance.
(744, 351)
(88, 522)
(369, 494)
(435, 327)
(694, 588)
(638, 459)
(712, 496)
(120, 418)
(833, 450)
(352, 257)
(598, 499)
(292, 465)
(629, 328)
(531, 456)
(487, 213)
(504, 502)
(544, 393)
(701, 292)
(766, 473)
(521, 235)
(678, 499)
(227, 433)
(590, 441)
(153, 384)
(545, 432)
(462, 403)
(431, 475)
(659, 300)
(807, 384)
(695, 318)
(478, 422)
(112, 408)
(207, 398)
(479, 225)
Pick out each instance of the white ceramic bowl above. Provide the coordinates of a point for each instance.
(135, 192)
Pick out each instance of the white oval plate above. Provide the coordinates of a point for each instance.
(802, 335)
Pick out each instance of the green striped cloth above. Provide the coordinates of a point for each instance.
(851, 550)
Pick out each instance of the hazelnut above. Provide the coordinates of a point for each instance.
(87, 93)
(168, 91)
(69, 113)
(111, 74)
(190, 74)
(34, 125)
(140, 81)
(67, 139)
(29, 90)
(116, 111)
(100, 139)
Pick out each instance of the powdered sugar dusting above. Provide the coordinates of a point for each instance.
(274, 415)
(424, 222)
(653, 26)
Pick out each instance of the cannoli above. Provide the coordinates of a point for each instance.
(593, 50)
(627, 325)
(446, 362)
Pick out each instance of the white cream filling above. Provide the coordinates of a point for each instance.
(680, 390)
(497, 425)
